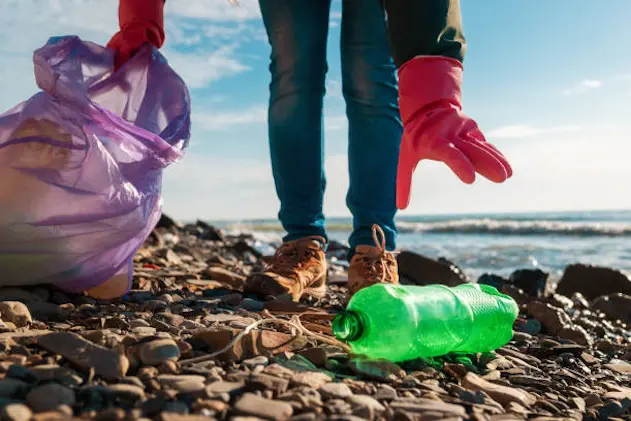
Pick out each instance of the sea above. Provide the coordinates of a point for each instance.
(496, 243)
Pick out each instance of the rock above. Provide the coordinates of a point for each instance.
(317, 356)
(366, 401)
(533, 282)
(256, 361)
(49, 397)
(421, 270)
(219, 274)
(255, 343)
(220, 387)
(266, 382)
(495, 281)
(16, 313)
(18, 294)
(424, 406)
(502, 394)
(16, 412)
(621, 367)
(167, 222)
(577, 334)
(616, 306)
(12, 388)
(127, 392)
(382, 370)
(183, 383)
(86, 355)
(312, 379)
(250, 404)
(335, 391)
(552, 318)
(593, 281)
(173, 416)
(386, 393)
(158, 351)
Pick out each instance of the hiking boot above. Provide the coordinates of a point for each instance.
(297, 268)
(372, 264)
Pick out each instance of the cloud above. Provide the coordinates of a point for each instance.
(199, 70)
(216, 10)
(224, 120)
(584, 86)
(517, 131)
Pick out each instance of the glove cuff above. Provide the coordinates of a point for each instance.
(145, 13)
(426, 81)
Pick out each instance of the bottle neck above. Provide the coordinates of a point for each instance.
(347, 326)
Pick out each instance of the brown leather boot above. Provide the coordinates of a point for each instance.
(372, 265)
(297, 268)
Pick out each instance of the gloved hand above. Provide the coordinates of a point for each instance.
(140, 21)
(435, 127)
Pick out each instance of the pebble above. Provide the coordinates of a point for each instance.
(256, 361)
(16, 412)
(50, 396)
(502, 394)
(251, 404)
(312, 379)
(335, 391)
(183, 383)
(15, 312)
(158, 351)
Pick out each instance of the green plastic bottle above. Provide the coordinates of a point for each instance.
(401, 323)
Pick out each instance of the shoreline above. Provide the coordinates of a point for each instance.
(66, 354)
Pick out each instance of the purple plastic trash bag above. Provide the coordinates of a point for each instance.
(81, 164)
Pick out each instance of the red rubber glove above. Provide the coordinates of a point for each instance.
(435, 127)
(140, 21)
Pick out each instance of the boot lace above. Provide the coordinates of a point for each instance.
(376, 265)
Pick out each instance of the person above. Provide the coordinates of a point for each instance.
(393, 125)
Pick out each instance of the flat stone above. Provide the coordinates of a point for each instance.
(158, 351)
(49, 397)
(256, 361)
(366, 401)
(266, 382)
(183, 383)
(502, 394)
(15, 312)
(335, 391)
(423, 406)
(250, 404)
(620, 368)
(126, 391)
(86, 355)
(314, 379)
(220, 387)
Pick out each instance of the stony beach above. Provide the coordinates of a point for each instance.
(175, 348)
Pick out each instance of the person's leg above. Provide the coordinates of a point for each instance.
(375, 129)
(297, 32)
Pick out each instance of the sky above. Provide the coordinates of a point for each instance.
(549, 83)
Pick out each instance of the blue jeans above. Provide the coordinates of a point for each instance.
(297, 32)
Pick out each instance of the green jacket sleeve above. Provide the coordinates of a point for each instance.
(425, 27)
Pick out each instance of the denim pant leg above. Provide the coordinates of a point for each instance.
(297, 32)
(369, 86)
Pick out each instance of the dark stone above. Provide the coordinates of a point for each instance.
(616, 306)
(421, 270)
(593, 281)
(532, 282)
(495, 281)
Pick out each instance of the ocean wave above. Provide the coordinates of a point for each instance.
(482, 226)
(510, 227)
